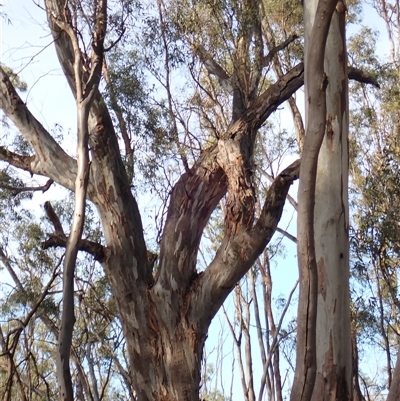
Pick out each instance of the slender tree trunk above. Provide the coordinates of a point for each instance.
(331, 222)
(394, 391)
(357, 394)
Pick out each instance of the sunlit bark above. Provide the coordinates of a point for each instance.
(317, 16)
(331, 224)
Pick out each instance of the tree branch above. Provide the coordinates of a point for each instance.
(42, 316)
(57, 239)
(236, 150)
(205, 57)
(237, 254)
(271, 179)
(86, 87)
(361, 76)
(212, 66)
(16, 160)
(17, 190)
(50, 159)
(215, 69)
(106, 164)
(97, 56)
(271, 99)
(287, 235)
(197, 193)
(268, 58)
(52, 216)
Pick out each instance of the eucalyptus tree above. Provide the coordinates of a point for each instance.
(164, 302)
(324, 365)
(165, 316)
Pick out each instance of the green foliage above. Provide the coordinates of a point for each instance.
(211, 394)
(288, 14)
(375, 181)
(15, 79)
(215, 395)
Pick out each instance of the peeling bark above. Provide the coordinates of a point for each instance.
(164, 330)
(85, 87)
(237, 254)
(357, 394)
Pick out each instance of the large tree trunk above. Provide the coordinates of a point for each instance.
(165, 316)
(357, 394)
(165, 323)
(331, 223)
(394, 391)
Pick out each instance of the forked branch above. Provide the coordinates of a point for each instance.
(17, 190)
(59, 239)
(237, 254)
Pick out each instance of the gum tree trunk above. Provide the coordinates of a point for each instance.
(323, 367)
(331, 222)
(315, 86)
(334, 364)
(165, 316)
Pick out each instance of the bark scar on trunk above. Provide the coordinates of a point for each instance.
(322, 278)
(330, 133)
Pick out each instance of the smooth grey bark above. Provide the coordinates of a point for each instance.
(59, 166)
(357, 394)
(165, 319)
(394, 391)
(315, 84)
(331, 225)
